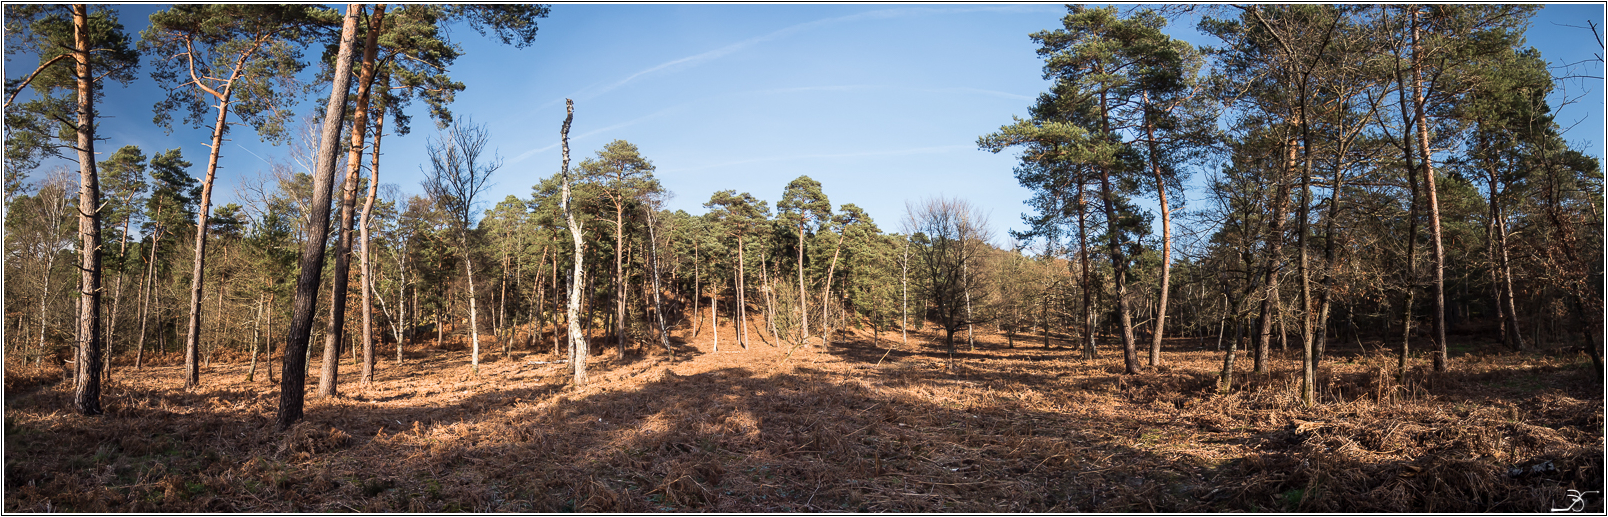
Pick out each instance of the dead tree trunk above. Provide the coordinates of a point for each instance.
(578, 349)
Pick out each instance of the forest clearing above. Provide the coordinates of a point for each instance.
(839, 428)
(1133, 258)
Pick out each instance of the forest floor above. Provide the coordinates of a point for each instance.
(847, 427)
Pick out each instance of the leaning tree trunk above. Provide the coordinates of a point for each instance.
(117, 296)
(1166, 249)
(1119, 260)
(1412, 231)
(293, 381)
(192, 337)
(334, 337)
(803, 307)
(86, 393)
(363, 237)
(826, 291)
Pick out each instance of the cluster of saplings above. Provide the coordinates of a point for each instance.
(1395, 168)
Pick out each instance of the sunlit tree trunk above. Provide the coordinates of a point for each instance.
(335, 334)
(87, 389)
(1419, 109)
(578, 349)
(367, 267)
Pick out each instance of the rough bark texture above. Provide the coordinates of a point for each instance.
(335, 335)
(1119, 260)
(293, 381)
(86, 392)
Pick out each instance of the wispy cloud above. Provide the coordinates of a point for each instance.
(857, 87)
(892, 152)
(711, 55)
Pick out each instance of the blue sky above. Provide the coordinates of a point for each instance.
(880, 103)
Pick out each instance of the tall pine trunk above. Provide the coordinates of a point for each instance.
(335, 334)
(1420, 119)
(293, 381)
(86, 393)
(1119, 259)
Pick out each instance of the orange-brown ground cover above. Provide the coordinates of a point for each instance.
(839, 428)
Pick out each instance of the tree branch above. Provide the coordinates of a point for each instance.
(30, 78)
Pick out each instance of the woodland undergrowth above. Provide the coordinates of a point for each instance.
(847, 427)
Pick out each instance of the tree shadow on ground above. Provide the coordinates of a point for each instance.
(1014, 434)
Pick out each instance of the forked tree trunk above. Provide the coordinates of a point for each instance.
(826, 291)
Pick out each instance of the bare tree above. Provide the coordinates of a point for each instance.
(458, 173)
(949, 237)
